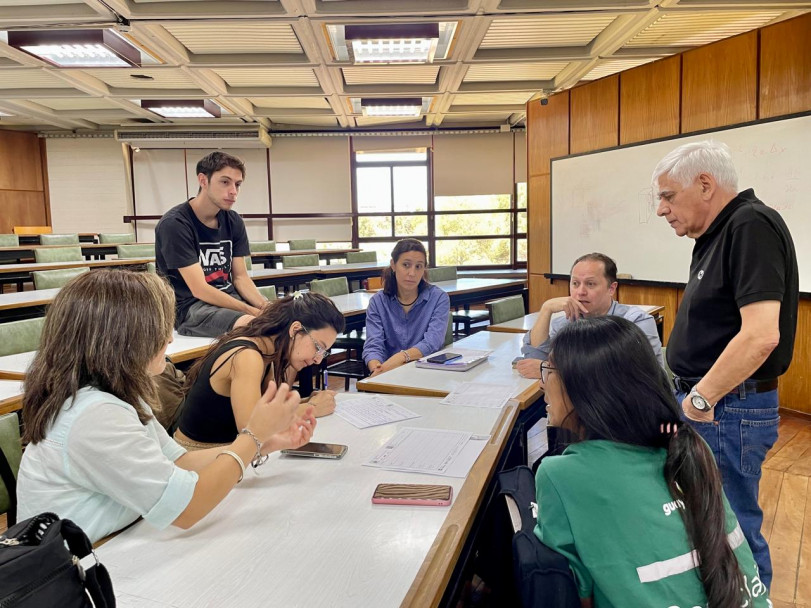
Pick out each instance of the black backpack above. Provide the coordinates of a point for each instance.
(38, 570)
(542, 576)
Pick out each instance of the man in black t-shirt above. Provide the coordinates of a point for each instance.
(200, 246)
(735, 326)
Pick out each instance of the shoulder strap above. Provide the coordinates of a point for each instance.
(96, 578)
(7, 475)
(238, 346)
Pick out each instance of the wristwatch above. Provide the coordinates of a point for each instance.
(699, 401)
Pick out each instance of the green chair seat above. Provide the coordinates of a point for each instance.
(58, 239)
(9, 240)
(48, 279)
(58, 254)
(506, 309)
(262, 246)
(356, 257)
(294, 261)
(116, 238)
(130, 252)
(442, 273)
(302, 244)
(20, 336)
(269, 291)
(13, 450)
(330, 287)
(150, 267)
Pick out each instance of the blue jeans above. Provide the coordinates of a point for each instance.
(744, 429)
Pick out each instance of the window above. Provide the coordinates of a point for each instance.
(392, 194)
(392, 198)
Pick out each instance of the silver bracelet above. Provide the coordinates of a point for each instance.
(258, 460)
(236, 457)
(406, 355)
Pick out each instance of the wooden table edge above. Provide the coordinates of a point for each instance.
(437, 567)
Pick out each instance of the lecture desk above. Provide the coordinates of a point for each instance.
(304, 532)
(273, 257)
(409, 379)
(182, 348)
(27, 304)
(11, 396)
(96, 250)
(22, 272)
(33, 239)
(523, 324)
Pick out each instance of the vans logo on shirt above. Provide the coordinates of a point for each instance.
(671, 507)
(213, 257)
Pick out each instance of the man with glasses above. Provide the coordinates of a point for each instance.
(734, 330)
(592, 286)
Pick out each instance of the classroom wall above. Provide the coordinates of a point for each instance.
(87, 184)
(23, 191)
(761, 74)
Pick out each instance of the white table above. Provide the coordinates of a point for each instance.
(304, 532)
(11, 394)
(182, 348)
(411, 380)
(524, 324)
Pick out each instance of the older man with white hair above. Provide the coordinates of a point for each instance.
(735, 326)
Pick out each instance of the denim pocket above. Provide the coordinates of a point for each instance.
(757, 437)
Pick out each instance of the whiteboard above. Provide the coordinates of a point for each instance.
(604, 201)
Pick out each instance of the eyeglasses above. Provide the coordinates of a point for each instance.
(320, 351)
(546, 367)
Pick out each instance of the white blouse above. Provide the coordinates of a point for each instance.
(101, 468)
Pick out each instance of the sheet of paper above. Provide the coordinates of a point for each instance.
(475, 394)
(372, 410)
(537, 441)
(421, 451)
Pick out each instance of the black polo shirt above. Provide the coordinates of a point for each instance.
(745, 256)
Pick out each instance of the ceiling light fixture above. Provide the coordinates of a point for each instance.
(405, 106)
(185, 108)
(77, 48)
(392, 43)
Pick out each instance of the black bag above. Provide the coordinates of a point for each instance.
(37, 570)
(542, 576)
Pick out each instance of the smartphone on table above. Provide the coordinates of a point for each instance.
(318, 450)
(444, 358)
(412, 494)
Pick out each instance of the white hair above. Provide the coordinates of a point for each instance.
(687, 162)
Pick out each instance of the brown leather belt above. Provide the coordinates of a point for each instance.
(757, 386)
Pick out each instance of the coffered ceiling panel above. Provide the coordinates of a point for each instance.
(274, 63)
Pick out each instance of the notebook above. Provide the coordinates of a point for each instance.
(470, 358)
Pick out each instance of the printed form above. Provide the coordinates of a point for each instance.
(372, 410)
(432, 451)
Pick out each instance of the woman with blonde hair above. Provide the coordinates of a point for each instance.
(290, 334)
(96, 454)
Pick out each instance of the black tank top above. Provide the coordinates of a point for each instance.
(208, 417)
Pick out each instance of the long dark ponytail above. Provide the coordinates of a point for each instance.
(312, 310)
(620, 393)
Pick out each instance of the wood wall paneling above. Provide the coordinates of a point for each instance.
(541, 289)
(795, 384)
(650, 96)
(652, 296)
(21, 208)
(719, 84)
(595, 115)
(21, 166)
(547, 132)
(785, 67)
(539, 227)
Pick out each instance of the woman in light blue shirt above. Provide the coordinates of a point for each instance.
(408, 319)
(96, 454)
